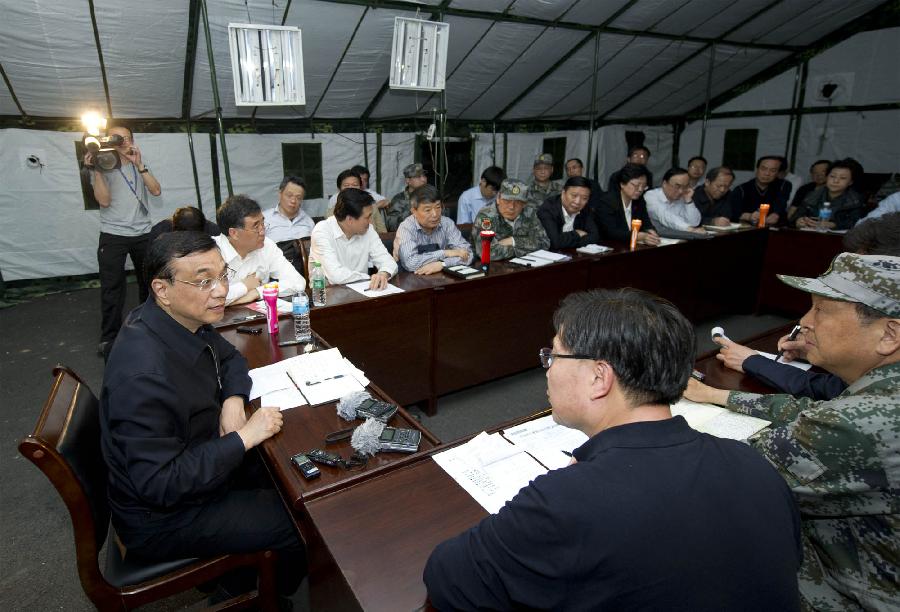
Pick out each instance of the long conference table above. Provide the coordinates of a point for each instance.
(443, 334)
(369, 531)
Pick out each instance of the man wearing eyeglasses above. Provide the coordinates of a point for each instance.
(671, 205)
(287, 220)
(174, 434)
(124, 198)
(650, 514)
(252, 258)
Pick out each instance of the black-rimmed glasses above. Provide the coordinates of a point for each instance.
(547, 356)
(208, 284)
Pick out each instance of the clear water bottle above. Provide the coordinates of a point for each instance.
(824, 216)
(302, 328)
(317, 280)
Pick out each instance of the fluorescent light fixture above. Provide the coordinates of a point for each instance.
(266, 65)
(419, 54)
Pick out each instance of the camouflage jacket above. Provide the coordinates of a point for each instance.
(537, 194)
(528, 233)
(397, 211)
(841, 458)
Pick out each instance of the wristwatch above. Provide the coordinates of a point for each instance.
(144, 171)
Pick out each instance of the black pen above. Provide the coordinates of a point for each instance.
(567, 453)
(310, 383)
(792, 336)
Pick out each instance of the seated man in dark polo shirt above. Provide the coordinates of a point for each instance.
(764, 188)
(711, 197)
(566, 218)
(650, 514)
(174, 433)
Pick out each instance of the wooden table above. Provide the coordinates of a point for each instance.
(369, 543)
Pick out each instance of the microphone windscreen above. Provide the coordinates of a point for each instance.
(346, 407)
(717, 331)
(365, 437)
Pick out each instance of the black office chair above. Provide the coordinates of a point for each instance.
(65, 445)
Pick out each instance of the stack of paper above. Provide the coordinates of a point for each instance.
(311, 378)
(593, 249)
(669, 241)
(539, 258)
(546, 441)
(490, 469)
(723, 228)
(717, 421)
(362, 288)
(802, 365)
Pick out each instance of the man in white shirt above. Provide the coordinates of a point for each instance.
(252, 258)
(671, 205)
(483, 194)
(346, 242)
(287, 220)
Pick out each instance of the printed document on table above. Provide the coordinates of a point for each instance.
(490, 469)
(543, 254)
(362, 287)
(324, 376)
(271, 383)
(668, 241)
(546, 440)
(717, 421)
(797, 364)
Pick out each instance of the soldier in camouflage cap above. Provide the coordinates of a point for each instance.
(518, 230)
(400, 208)
(540, 187)
(840, 456)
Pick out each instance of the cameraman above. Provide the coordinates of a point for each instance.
(123, 196)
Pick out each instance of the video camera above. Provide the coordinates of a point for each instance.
(103, 149)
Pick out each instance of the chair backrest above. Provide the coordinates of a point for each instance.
(65, 445)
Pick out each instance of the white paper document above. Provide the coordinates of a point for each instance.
(797, 364)
(318, 377)
(593, 249)
(530, 262)
(722, 228)
(669, 241)
(490, 469)
(543, 254)
(546, 441)
(718, 421)
(362, 287)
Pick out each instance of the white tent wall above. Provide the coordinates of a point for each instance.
(871, 138)
(612, 149)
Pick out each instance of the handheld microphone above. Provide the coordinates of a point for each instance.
(717, 332)
(365, 437)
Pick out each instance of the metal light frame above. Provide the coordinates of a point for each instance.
(419, 54)
(266, 65)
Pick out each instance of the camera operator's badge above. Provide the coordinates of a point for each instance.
(485, 224)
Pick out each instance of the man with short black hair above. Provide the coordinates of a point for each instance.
(427, 241)
(638, 155)
(818, 172)
(345, 243)
(174, 434)
(184, 219)
(764, 188)
(352, 179)
(287, 220)
(399, 208)
(671, 206)
(252, 258)
(123, 195)
(840, 456)
(483, 194)
(696, 168)
(575, 167)
(712, 197)
(650, 514)
(566, 217)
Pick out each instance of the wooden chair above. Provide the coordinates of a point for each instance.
(303, 246)
(65, 445)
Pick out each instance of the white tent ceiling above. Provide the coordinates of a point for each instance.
(508, 59)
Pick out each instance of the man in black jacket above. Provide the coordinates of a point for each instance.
(617, 208)
(566, 219)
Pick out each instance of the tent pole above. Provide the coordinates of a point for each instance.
(709, 77)
(190, 136)
(215, 91)
(493, 143)
(593, 101)
(378, 158)
(801, 100)
(214, 162)
(365, 147)
(790, 129)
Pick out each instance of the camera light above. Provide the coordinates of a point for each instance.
(93, 122)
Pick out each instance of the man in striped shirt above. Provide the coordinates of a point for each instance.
(426, 241)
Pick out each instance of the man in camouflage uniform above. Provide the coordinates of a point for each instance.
(399, 208)
(518, 230)
(841, 457)
(540, 187)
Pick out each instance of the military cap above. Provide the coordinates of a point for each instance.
(513, 189)
(413, 170)
(873, 280)
(543, 158)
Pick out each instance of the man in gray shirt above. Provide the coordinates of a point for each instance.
(124, 198)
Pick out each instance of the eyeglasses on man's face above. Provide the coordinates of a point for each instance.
(208, 284)
(547, 356)
(259, 227)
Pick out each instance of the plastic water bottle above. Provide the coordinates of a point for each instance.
(302, 329)
(317, 279)
(824, 216)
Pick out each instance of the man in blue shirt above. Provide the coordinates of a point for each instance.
(426, 241)
(650, 514)
(481, 195)
(287, 220)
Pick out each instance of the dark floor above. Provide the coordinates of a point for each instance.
(37, 569)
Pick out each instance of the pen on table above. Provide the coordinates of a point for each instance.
(792, 336)
(567, 453)
(309, 383)
(294, 381)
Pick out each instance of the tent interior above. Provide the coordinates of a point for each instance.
(576, 78)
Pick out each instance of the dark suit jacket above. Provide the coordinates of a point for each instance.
(551, 217)
(610, 217)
